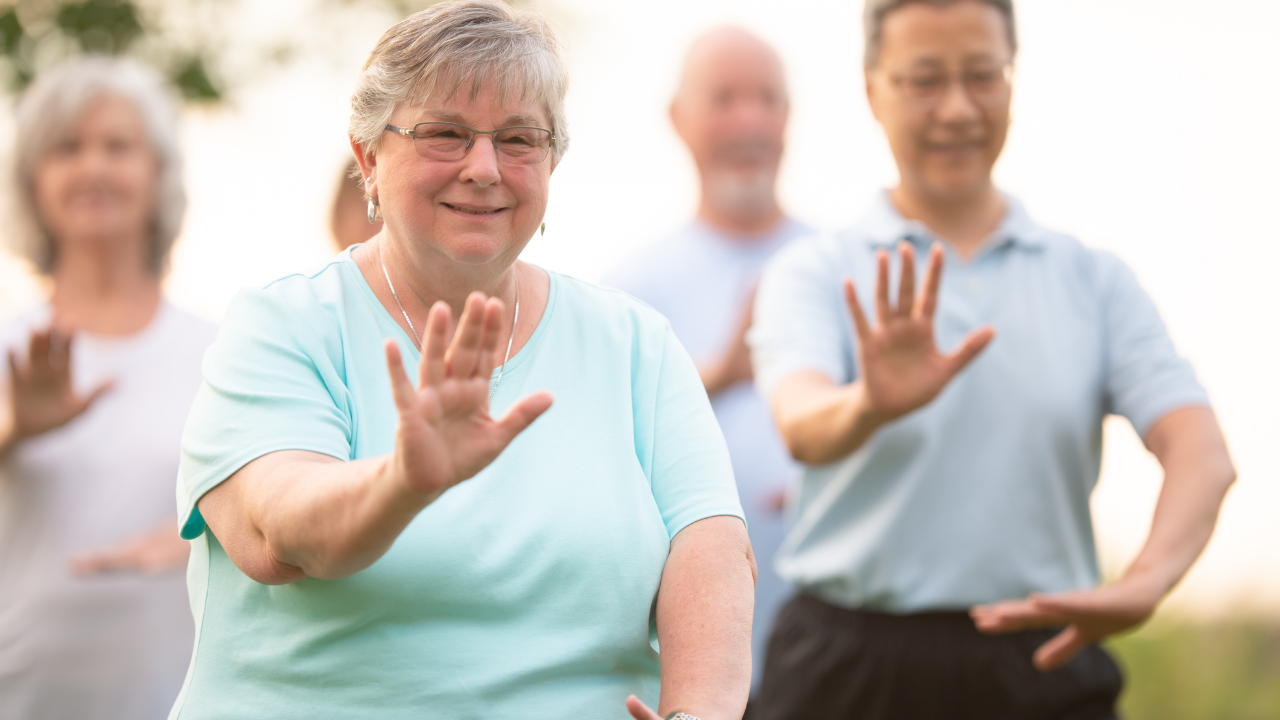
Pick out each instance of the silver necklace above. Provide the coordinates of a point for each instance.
(514, 320)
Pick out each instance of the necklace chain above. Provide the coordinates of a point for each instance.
(514, 320)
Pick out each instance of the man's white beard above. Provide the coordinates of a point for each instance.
(749, 193)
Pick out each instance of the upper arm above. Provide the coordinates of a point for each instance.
(1145, 377)
(269, 386)
(235, 511)
(800, 322)
(688, 462)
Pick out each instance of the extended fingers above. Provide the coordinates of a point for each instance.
(883, 310)
(464, 353)
(932, 281)
(855, 308)
(401, 388)
(1060, 648)
(1014, 615)
(907, 284)
(491, 348)
(432, 369)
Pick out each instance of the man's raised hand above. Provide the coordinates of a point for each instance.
(898, 362)
(445, 434)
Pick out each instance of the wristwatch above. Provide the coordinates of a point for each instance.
(681, 716)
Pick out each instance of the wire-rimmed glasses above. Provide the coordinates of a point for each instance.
(450, 142)
(987, 86)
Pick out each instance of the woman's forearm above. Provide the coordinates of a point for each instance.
(1198, 471)
(704, 620)
(293, 514)
(820, 421)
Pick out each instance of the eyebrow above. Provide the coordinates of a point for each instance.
(510, 121)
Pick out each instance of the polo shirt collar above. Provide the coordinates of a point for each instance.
(885, 227)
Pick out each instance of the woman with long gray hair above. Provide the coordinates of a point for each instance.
(458, 546)
(93, 613)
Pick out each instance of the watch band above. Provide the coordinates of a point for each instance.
(681, 716)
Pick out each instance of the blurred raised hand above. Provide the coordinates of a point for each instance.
(898, 362)
(155, 552)
(41, 396)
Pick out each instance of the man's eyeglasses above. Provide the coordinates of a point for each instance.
(988, 87)
(450, 142)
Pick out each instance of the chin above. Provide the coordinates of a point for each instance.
(471, 248)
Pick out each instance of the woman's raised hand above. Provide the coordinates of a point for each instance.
(41, 396)
(898, 362)
(445, 434)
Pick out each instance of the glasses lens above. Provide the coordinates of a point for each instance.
(987, 85)
(927, 85)
(441, 141)
(522, 146)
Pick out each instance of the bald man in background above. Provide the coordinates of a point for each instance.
(731, 111)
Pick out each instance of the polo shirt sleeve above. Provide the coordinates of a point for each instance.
(800, 321)
(269, 385)
(1145, 377)
(680, 444)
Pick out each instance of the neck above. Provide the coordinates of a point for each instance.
(104, 288)
(739, 224)
(423, 279)
(963, 222)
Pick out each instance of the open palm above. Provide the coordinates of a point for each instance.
(445, 433)
(898, 361)
(42, 396)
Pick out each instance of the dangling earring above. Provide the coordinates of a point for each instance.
(544, 228)
(373, 212)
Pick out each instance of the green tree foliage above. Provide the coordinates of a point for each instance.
(36, 34)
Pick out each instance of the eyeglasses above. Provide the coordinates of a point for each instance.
(450, 142)
(986, 87)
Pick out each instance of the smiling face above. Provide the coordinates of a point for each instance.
(944, 147)
(474, 211)
(97, 184)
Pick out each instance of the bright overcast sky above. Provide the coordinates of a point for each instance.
(1147, 127)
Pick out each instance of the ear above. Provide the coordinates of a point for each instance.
(677, 119)
(870, 86)
(368, 166)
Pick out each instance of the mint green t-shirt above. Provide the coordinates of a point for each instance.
(524, 592)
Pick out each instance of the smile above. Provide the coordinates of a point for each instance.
(473, 210)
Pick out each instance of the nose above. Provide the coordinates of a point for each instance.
(956, 105)
(481, 162)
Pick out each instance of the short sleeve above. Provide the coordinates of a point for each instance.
(270, 384)
(687, 459)
(1146, 379)
(800, 321)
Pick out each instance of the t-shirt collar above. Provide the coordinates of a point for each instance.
(886, 227)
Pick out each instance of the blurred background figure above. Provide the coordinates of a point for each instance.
(944, 544)
(94, 618)
(349, 218)
(731, 111)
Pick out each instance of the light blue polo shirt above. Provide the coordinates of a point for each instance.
(526, 591)
(983, 494)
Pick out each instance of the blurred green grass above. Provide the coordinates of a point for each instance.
(1181, 670)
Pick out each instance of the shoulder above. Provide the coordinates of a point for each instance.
(603, 304)
(824, 254)
(660, 264)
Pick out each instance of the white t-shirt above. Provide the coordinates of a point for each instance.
(701, 281)
(108, 646)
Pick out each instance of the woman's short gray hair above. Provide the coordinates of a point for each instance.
(50, 108)
(457, 44)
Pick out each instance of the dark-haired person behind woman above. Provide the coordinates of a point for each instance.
(391, 516)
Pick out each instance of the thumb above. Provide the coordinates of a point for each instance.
(1059, 649)
(973, 344)
(523, 413)
(639, 710)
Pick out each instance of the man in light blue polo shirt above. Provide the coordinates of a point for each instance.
(952, 428)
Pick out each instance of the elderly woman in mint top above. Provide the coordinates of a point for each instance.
(458, 545)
